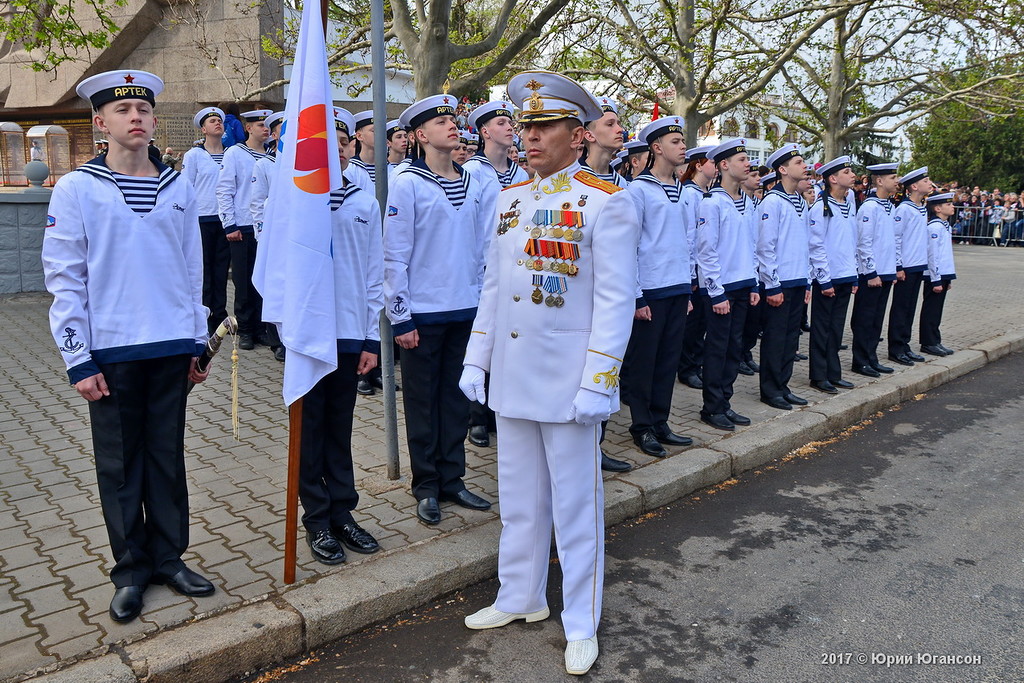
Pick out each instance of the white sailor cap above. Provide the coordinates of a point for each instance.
(727, 149)
(622, 154)
(463, 137)
(206, 112)
(428, 108)
(616, 161)
(547, 96)
(608, 105)
(393, 127)
(635, 147)
(256, 115)
(698, 152)
(472, 138)
(486, 112)
(782, 155)
(274, 119)
(768, 178)
(658, 127)
(882, 169)
(833, 166)
(120, 85)
(344, 121)
(914, 176)
(363, 118)
(940, 198)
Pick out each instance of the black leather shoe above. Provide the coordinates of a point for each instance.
(718, 421)
(186, 582)
(428, 511)
(648, 443)
(824, 385)
(752, 364)
(933, 350)
(736, 418)
(805, 327)
(467, 500)
(364, 388)
(126, 604)
(325, 547)
(279, 354)
(357, 539)
(262, 340)
(777, 402)
(866, 370)
(378, 381)
(794, 399)
(744, 369)
(843, 384)
(902, 359)
(949, 351)
(800, 356)
(245, 342)
(884, 369)
(669, 438)
(692, 381)
(915, 357)
(613, 465)
(478, 436)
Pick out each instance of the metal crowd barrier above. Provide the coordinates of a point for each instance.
(973, 225)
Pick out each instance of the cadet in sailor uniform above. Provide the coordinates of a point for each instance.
(635, 160)
(552, 328)
(940, 274)
(472, 144)
(911, 231)
(663, 288)
(618, 165)
(122, 255)
(201, 166)
(433, 271)
(754, 322)
(364, 139)
(262, 172)
(833, 249)
(783, 269)
(398, 145)
(697, 178)
(876, 269)
(727, 266)
(602, 140)
(326, 480)
(234, 188)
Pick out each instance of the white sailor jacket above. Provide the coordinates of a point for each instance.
(234, 188)
(833, 243)
(876, 241)
(910, 227)
(726, 245)
(782, 242)
(358, 256)
(198, 166)
(940, 252)
(262, 172)
(664, 259)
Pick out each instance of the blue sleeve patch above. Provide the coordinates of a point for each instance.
(865, 219)
(702, 221)
(898, 218)
(392, 210)
(935, 235)
(764, 216)
(814, 222)
(51, 221)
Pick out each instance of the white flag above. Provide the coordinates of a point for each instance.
(294, 270)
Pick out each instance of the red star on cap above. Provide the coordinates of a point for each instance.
(446, 100)
(129, 79)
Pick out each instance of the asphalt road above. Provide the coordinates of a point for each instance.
(866, 559)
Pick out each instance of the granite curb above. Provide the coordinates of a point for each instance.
(331, 606)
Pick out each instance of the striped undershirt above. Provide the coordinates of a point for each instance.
(455, 190)
(844, 206)
(139, 193)
(219, 158)
(506, 178)
(672, 191)
(338, 197)
(740, 203)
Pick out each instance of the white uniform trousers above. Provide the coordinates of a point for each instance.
(551, 473)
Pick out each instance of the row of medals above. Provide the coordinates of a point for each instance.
(511, 220)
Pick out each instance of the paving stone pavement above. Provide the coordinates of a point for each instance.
(54, 590)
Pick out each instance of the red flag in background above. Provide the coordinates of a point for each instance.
(656, 113)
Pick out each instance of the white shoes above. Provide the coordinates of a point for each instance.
(580, 655)
(489, 617)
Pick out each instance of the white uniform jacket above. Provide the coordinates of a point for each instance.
(356, 173)
(694, 195)
(910, 226)
(358, 253)
(615, 178)
(540, 355)
(125, 286)
(199, 167)
(666, 233)
(833, 243)
(783, 257)
(876, 241)
(433, 259)
(234, 188)
(726, 245)
(940, 252)
(262, 172)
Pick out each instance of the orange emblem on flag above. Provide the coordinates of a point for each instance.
(311, 151)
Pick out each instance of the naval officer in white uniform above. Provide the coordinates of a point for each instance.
(554, 319)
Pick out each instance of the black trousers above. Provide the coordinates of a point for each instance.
(828, 319)
(866, 322)
(931, 314)
(723, 351)
(436, 411)
(216, 260)
(138, 435)
(901, 313)
(652, 355)
(327, 485)
(753, 326)
(780, 342)
(248, 302)
(691, 360)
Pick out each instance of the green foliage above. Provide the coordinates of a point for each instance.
(55, 31)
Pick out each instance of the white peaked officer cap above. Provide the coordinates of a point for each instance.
(914, 176)
(428, 108)
(120, 85)
(837, 164)
(547, 96)
(206, 112)
(256, 115)
(344, 121)
(883, 169)
(698, 152)
(486, 112)
(727, 149)
(363, 118)
(655, 129)
(782, 155)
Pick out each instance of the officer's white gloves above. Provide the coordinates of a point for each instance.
(472, 383)
(590, 407)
